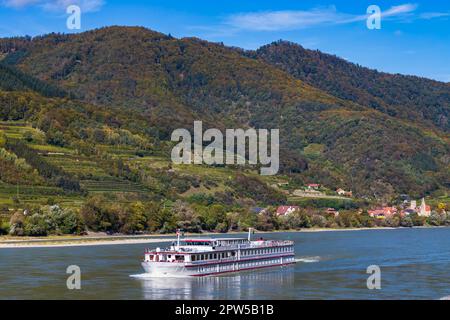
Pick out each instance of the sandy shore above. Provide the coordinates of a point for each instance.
(70, 241)
(75, 242)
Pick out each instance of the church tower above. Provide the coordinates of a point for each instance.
(424, 210)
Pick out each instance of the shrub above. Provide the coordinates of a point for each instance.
(436, 219)
(4, 227)
(53, 220)
(98, 215)
(417, 220)
(296, 220)
(406, 222)
(37, 225)
(319, 221)
(16, 224)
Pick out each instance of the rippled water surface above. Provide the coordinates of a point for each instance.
(415, 264)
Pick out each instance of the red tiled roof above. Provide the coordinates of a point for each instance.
(385, 211)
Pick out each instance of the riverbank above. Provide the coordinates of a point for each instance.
(98, 240)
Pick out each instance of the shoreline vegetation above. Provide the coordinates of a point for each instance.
(100, 221)
(99, 240)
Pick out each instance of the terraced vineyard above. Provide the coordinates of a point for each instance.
(36, 195)
(93, 178)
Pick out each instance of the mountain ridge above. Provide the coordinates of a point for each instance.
(360, 84)
(172, 82)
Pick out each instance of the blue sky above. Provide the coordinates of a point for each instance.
(414, 37)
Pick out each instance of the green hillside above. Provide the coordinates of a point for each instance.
(406, 97)
(86, 121)
(170, 82)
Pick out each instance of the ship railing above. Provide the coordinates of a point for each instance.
(267, 243)
(260, 244)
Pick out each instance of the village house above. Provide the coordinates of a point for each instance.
(313, 186)
(344, 193)
(423, 210)
(332, 212)
(382, 213)
(286, 210)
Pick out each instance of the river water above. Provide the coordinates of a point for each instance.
(414, 264)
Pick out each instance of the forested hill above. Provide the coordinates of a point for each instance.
(12, 79)
(351, 136)
(407, 97)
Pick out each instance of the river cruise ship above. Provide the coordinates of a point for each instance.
(213, 256)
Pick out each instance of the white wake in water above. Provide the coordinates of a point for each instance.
(153, 276)
(308, 259)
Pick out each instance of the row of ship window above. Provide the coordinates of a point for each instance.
(265, 251)
(228, 254)
(213, 256)
(244, 265)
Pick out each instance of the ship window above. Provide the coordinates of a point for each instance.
(193, 258)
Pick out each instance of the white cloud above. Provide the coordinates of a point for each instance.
(400, 10)
(55, 5)
(19, 3)
(298, 19)
(432, 15)
(285, 20)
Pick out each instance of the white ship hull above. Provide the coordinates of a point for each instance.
(208, 256)
(169, 269)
